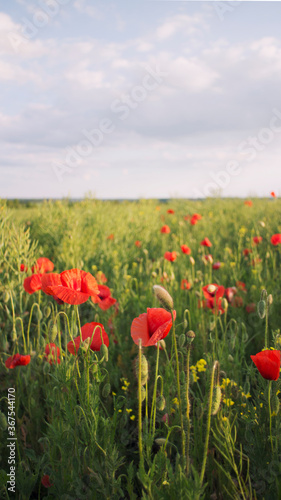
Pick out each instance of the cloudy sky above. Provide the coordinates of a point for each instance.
(130, 99)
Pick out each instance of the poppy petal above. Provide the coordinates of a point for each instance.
(73, 346)
(139, 329)
(68, 295)
(156, 317)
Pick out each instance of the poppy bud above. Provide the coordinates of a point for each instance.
(154, 274)
(6, 296)
(53, 333)
(39, 315)
(192, 261)
(14, 335)
(160, 403)
(104, 351)
(106, 390)
(160, 441)
(94, 367)
(261, 309)
(263, 294)
(3, 421)
(216, 400)
(270, 299)
(275, 404)
(144, 369)
(162, 344)
(190, 336)
(47, 312)
(230, 358)
(182, 340)
(163, 297)
(224, 304)
(85, 344)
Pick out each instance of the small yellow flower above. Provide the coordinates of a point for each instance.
(129, 411)
(176, 401)
(133, 417)
(228, 401)
(113, 393)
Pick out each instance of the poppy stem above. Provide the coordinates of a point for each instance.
(187, 410)
(79, 324)
(269, 407)
(266, 324)
(140, 404)
(153, 405)
(178, 386)
(215, 367)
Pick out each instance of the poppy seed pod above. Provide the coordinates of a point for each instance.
(261, 309)
(163, 297)
(6, 296)
(216, 400)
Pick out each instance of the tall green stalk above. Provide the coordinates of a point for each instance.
(178, 386)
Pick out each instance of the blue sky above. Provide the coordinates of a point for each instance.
(130, 99)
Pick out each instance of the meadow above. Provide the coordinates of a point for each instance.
(126, 336)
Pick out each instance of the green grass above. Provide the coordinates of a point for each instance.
(79, 421)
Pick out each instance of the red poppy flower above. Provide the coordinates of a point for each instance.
(276, 239)
(23, 268)
(248, 203)
(206, 243)
(43, 265)
(216, 265)
(171, 256)
(165, 229)
(88, 332)
(17, 360)
(52, 354)
(138, 243)
(73, 286)
(104, 299)
(170, 211)
(241, 286)
(273, 194)
(230, 292)
(213, 293)
(33, 283)
(257, 239)
(250, 308)
(110, 237)
(268, 363)
(246, 251)
(185, 249)
(195, 218)
(46, 481)
(185, 285)
(101, 278)
(152, 326)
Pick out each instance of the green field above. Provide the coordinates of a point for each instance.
(185, 418)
